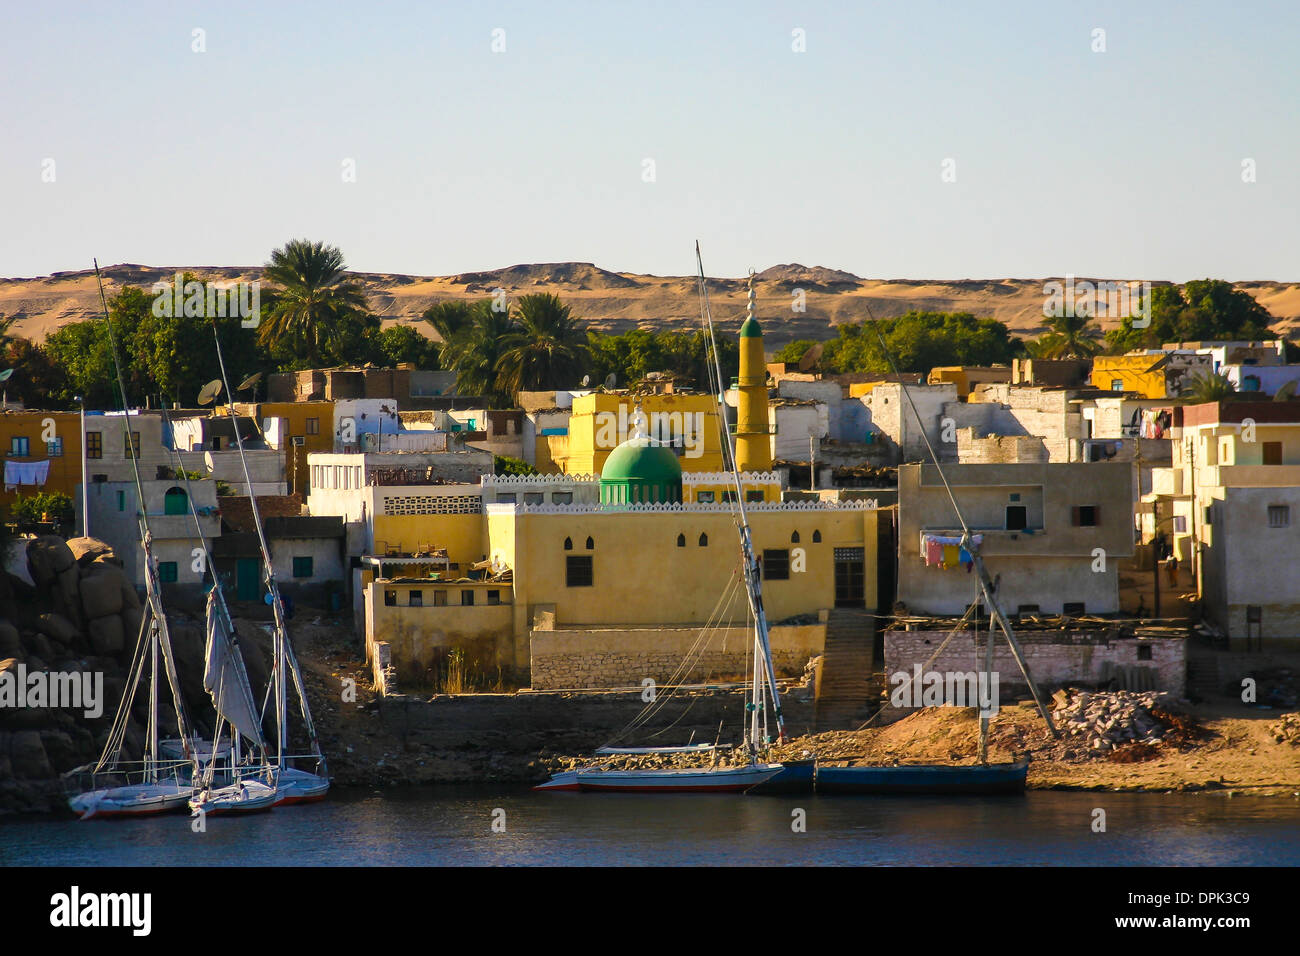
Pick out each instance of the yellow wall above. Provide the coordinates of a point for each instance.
(589, 444)
(753, 431)
(719, 482)
(65, 469)
(418, 635)
(1132, 371)
(460, 534)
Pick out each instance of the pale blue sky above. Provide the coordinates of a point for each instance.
(1125, 163)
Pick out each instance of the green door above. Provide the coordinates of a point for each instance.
(248, 579)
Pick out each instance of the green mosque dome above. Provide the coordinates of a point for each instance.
(749, 329)
(640, 472)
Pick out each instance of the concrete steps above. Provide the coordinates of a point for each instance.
(849, 690)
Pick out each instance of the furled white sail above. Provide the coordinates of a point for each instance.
(224, 677)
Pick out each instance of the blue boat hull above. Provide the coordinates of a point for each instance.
(904, 779)
(796, 776)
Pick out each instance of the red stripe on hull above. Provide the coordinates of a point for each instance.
(620, 788)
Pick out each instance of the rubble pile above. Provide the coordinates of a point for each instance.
(1286, 730)
(1106, 722)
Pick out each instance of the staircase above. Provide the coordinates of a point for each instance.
(848, 690)
(1202, 676)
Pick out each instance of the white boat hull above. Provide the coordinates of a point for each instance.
(299, 786)
(247, 796)
(133, 800)
(689, 780)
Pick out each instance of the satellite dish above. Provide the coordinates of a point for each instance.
(210, 392)
(208, 463)
(1286, 392)
(586, 380)
(250, 382)
(4, 376)
(611, 380)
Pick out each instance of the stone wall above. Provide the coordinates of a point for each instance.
(1055, 658)
(598, 657)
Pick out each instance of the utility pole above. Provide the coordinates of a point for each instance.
(85, 490)
(812, 462)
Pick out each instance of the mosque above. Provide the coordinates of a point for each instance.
(573, 581)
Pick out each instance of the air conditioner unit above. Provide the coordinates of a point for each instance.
(298, 441)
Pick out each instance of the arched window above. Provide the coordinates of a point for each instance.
(704, 540)
(591, 545)
(568, 544)
(681, 541)
(817, 537)
(794, 538)
(175, 502)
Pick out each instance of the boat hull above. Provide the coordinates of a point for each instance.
(133, 800)
(795, 776)
(298, 786)
(693, 780)
(924, 779)
(245, 797)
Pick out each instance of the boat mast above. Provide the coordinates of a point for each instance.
(285, 662)
(753, 575)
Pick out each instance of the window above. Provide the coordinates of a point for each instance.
(1250, 383)
(1073, 608)
(681, 541)
(562, 497)
(1085, 516)
(175, 502)
(505, 499)
(54, 448)
(415, 598)
(1272, 451)
(167, 572)
(752, 496)
(20, 445)
(390, 599)
(817, 537)
(794, 538)
(568, 544)
(1017, 518)
(302, 566)
(94, 445)
(439, 598)
(577, 571)
(776, 564)
(704, 540)
(131, 445)
(1279, 516)
(467, 598)
(534, 498)
(121, 501)
(1209, 514)
(591, 545)
(313, 426)
(704, 497)
(1144, 652)
(494, 597)
(729, 497)
(1117, 385)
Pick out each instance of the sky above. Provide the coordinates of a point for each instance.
(892, 140)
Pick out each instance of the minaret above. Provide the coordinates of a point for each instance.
(753, 441)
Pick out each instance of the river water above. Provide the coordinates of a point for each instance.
(455, 826)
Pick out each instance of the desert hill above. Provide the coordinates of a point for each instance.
(615, 302)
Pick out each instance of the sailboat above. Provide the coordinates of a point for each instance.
(754, 773)
(155, 784)
(292, 784)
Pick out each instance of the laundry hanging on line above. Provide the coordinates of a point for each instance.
(946, 551)
(25, 473)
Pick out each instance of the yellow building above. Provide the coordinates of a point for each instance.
(1151, 374)
(753, 421)
(308, 427)
(601, 421)
(30, 438)
(966, 377)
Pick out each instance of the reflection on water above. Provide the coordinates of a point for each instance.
(453, 826)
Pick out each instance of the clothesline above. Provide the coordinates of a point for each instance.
(946, 551)
(25, 473)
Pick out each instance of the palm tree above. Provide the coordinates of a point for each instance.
(312, 299)
(1070, 337)
(1209, 387)
(448, 319)
(474, 350)
(548, 351)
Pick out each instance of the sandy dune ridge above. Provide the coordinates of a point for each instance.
(615, 302)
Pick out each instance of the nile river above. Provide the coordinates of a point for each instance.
(455, 826)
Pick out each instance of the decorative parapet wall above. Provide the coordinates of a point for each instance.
(868, 504)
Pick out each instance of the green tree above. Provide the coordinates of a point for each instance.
(792, 352)
(44, 506)
(919, 341)
(1069, 336)
(404, 343)
(547, 351)
(1202, 310)
(1210, 387)
(314, 305)
(474, 351)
